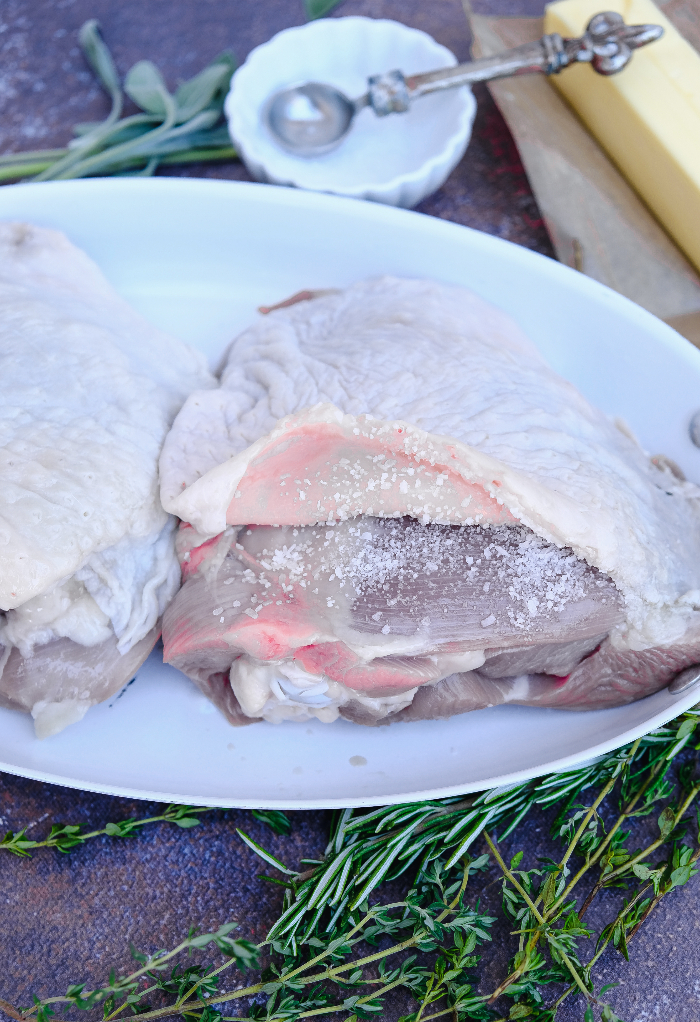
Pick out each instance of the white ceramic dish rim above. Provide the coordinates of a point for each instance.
(499, 781)
(449, 155)
(383, 217)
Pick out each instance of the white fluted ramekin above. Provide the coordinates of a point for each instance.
(397, 159)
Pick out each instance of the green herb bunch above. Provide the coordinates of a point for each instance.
(185, 127)
(318, 8)
(340, 947)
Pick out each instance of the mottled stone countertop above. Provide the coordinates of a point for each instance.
(69, 918)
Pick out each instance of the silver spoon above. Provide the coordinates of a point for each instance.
(313, 118)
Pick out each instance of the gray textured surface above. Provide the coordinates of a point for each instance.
(70, 918)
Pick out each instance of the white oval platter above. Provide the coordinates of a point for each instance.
(198, 258)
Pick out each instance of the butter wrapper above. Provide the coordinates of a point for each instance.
(597, 222)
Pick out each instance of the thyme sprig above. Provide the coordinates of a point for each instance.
(65, 837)
(331, 952)
(185, 127)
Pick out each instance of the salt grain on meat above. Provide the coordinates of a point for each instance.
(438, 522)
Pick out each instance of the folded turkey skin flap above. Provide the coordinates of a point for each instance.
(88, 390)
(397, 376)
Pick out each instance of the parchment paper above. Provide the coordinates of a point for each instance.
(597, 222)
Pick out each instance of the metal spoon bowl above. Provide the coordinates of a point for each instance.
(309, 119)
(312, 118)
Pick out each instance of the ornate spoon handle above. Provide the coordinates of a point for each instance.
(607, 44)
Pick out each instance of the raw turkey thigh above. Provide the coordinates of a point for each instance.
(88, 390)
(568, 569)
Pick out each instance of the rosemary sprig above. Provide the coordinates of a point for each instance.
(331, 952)
(172, 129)
(368, 848)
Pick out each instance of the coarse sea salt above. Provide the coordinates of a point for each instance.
(511, 572)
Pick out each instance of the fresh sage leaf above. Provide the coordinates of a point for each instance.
(197, 93)
(145, 85)
(317, 8)
(85, 128)
(98, 56)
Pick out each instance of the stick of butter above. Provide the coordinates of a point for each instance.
(647, 116)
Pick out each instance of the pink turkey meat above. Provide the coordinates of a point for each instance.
(394, 510)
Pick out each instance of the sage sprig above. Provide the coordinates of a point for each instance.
(339, 949)
(318, 8)
(187, 126)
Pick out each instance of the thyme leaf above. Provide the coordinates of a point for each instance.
(331, 951)
(68, 836)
